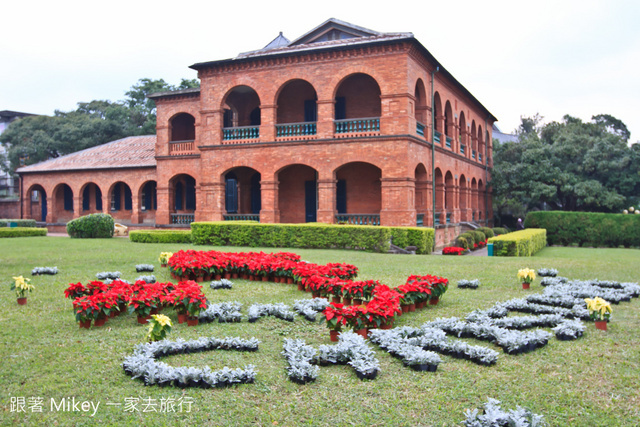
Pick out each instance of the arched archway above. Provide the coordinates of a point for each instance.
(148, 202)
(474, 200)
(420, 113)
(243, 198)
(298, 194)
(241, 117)
(440, 196)
(482, 215)
(463, 133)
(91, 199)
(358, 193)
(422, 195)
(62, 203)
(297, 110)
(474, 139)
(448, 125)
(182, 199)
(37, 203)
(449, 200)
(182, 127)
(480, 144)
(438, 116)
(357, 107)
(463, 198)
(121, 202)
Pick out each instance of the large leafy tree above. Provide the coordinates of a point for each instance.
(569, 165)
(33, 139)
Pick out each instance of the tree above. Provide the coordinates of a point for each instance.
(570, 165)
(34, 139)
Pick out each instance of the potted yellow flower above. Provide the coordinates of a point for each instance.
(526, 276)
(600, 311)
(164, 258)
(159, 327)
(22, 286)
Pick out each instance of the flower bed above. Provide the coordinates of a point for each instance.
(453, 250)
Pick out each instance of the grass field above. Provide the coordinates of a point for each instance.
(593, 381)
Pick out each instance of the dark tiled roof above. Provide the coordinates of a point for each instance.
(171, 93)
(130, 152)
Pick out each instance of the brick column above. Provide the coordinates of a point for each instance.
(440, 126)
(325, 126)
(398, 202)
(210, 131)
(51, 215)
(455, 216)
(135, 208)
(268, 121)
(164, 206)
(440, 206)
(326, 200)
(77, 206)
(210, 202)
(270, 212)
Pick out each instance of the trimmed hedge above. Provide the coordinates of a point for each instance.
(160, 236)
(311, 235)
(488, 232)
(587, 228)
(519, 243)
(18, 222)
(22, 231)
(91, 226)
(499, 230)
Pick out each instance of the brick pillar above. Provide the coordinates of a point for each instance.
(210, 202)
(270, 212)
(163, 212)
(268, 121)
(135, 208)
(398, 202)
(455, 217)
(162, 139)
(325, 126)
(210, 131)
(423, 200)
(326, 200)
(441, 126)
(51, 215)
(77, 206)
(440, 207)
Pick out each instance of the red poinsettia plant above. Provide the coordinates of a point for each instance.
(334, 316)
(187, 298)
(76, 290)
(453, 250)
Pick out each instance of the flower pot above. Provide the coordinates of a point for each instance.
(336, 300)
(143, 319)
(245, 277)
(333, 335)
(434, 301)
(265, 279)
(601, 324)
(412, 307)
(362, 332)
(182, 318)
(227, 275)
(163, 265)
(420, 305)
(86, 324)
(357, 301)
(218, 276)
(346, 300)
(315, 294)
(199, 279)
(387, 325)
(526, 285)
(22, 301)
(405, 308)
(234, 275)
(192, 321)
(290, 280)
(300, 287)
(100, 321)
(154, 311)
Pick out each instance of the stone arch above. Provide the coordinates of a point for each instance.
(357, 96)
(91, 199)
(182, 198)
(241, 116)
(62, 205)
(438, 113)
(448, 120)
(449, 199)
(422, 194)
(358, 192)
(297, 193)
(474, 199)
(474, 138)
(148, 201)
(36, 206)
(463, 133)
(297, 102)
(120, 200)
(182, 127)
(480, 144)
(420, 95)
(242, 187)
(463, 199)
(440, 196)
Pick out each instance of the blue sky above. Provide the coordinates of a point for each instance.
(548, 57)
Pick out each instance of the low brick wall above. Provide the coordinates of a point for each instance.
(9, 209)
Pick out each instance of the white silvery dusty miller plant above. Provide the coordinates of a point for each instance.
(143, 267)
(299, 357)
(221, 284)
(147, 279)
(569, 330)
(44, 270)
(547, 272)
(493, 415)
(468, 284)
(108, 275)
(309, 308)
(225, 312)
(279, 310)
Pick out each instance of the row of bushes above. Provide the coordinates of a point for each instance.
(474, 238)
(587, 229)
(520, 243)
(160, 236)
(311, 235)
(22, 232)
(18, 222)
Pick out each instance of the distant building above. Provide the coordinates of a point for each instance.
(342, 125)
(503, 137)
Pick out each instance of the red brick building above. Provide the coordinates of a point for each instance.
(343, 124)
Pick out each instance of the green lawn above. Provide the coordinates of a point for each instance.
(589, 382)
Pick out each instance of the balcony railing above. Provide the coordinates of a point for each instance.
(480, 157)
(462, 147)
(182, 218)
(448, 217)
(473, 154)
(296, 130)
(241, 217)
(358, 127)
(231, 135)
(358, 219)
(181, 148)
(420, 128)
(436, 137)
(449, 142)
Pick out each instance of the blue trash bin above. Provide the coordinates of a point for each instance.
(490, 249)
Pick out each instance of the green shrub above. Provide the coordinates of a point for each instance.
(160, 236)
(487, 232)
(520, 243)
(18, 222)
(587, 228)
(462, 242)
(311, 235)
(478, 236)
(469, 238)
(499, 230)
(91, 226)
(22, 231)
